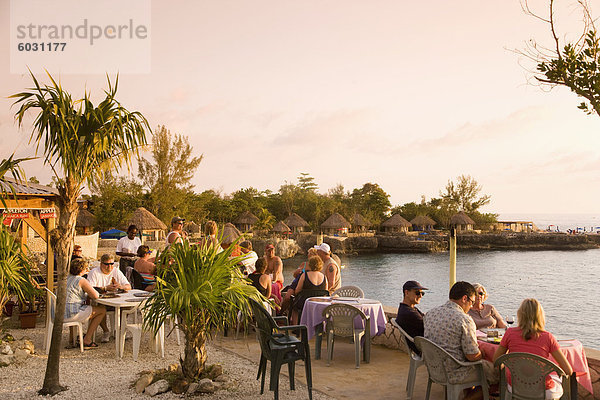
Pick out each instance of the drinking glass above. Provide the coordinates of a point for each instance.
(510, 320)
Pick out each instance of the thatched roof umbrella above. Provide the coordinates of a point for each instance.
(461, 218)
(191, 227)
(281, 227)
(396, 221)
(335, 222)
(246, 218)
(295, 221)
(144, 220)
(230, 233)
(423, 221)
(85, 219)
(360, 221)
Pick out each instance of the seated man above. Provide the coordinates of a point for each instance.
(107, 278)
(77, 252)
(450, 327)
(127, 248)
(409, 317)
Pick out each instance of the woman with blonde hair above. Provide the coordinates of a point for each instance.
(530, 337)
(484, 315)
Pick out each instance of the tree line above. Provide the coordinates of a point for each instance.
(163, 186)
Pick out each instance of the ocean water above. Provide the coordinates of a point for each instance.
(562, 222)
(565, 282)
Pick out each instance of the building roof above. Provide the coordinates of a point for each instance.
(396, 220)
(461, 218)
(191, 227)
(85, 218)
(230, 233)
(144, 220)
(336, 221)
(359, 220)
(422, 220)
(295, 221)
(281, 227)
(27, 188)
(246, 218)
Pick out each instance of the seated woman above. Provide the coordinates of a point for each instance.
(530, 337)
(259, 279)
(312, 279)
(76, 309)
(484, 315)
(146, 268)
(290, 290)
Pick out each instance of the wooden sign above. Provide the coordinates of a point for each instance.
(47, 213)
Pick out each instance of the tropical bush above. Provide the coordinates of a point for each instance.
(205, 290)
(15, 269)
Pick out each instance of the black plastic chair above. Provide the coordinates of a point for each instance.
(279, 347)
(137, 282)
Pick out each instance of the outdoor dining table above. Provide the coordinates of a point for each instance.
(312, 313)
(573, 351)
(123, 300)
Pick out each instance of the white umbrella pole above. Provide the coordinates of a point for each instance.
(452, 256)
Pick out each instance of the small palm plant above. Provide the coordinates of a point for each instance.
(203, 287)
(15, 269)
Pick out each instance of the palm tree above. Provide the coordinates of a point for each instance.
(205, 290)
(78, 140)
(13, 166)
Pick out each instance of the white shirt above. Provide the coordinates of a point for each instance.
(99, 279)
(127, 245)
(249, 261)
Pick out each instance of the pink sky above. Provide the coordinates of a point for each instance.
(405, 95)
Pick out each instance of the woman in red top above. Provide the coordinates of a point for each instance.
(530, 337)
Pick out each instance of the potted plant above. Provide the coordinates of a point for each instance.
(15, 273)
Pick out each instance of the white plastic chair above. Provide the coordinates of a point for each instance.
(349, 291)
(436, 359)
(415, 361)
(66, 322)
(340, 322)
(136, 329)
(173, 323)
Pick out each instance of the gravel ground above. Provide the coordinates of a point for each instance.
(98, 374)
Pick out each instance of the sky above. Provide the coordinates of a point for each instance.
(404, 94)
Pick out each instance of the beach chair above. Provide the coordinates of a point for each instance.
(279, 347)
(436, 359)
(349, 291)
(415, 360)
(66, 323)
(528, 375)
(340, 322)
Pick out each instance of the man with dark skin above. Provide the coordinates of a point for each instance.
(127, 248)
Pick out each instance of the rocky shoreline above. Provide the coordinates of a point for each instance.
(436, 242)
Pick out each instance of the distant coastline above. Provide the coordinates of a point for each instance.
(563, 222)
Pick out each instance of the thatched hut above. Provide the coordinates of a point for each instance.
(422, 223)
(191, 228)
(296, 223)
(462, 222)
(230, 233)
(336, 224)
(395, 224)
(360, 223)
(147, 224)
(245, 221)
(281, 228)
(86, 221)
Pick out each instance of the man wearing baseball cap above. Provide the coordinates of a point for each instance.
(409, 317)
(274, 266)
(330, 267)
(177, 234)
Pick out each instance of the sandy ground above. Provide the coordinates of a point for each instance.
(98, 374)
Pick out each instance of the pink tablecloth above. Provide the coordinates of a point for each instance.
(573, 351)
(312, 313)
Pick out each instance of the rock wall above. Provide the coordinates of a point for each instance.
(527, 241)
